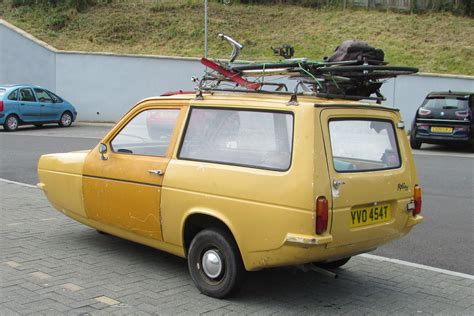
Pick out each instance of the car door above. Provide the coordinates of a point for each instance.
(29, 108)
(48, 110)
(372, 187)
(122, 188)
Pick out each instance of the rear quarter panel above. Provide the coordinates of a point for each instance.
(260, 207)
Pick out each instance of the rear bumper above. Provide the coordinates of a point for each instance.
(436, 139)
(300, 249)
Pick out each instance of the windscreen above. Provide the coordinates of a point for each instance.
(363, 145)
(446, 103)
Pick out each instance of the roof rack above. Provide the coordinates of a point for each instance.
(352, 79)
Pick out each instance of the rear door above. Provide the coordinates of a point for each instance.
(371, 182)
(28, 107)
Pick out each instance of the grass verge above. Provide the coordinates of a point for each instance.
(435, 42)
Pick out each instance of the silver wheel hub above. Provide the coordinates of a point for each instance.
(66, 119)
(212, 264)
(12, 123)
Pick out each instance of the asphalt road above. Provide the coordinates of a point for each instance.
(445, 240)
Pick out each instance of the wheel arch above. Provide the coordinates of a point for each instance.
(197, 221)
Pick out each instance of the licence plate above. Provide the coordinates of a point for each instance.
(444, 130)
(369, 215)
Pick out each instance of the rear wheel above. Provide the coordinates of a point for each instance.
(333, 264)
(414, 144)
(66, 119)
(11, 123)
(215, 264)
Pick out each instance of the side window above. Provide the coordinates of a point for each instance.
(54, 97)
(42, 96)
(147, 134)
(13, 95)
(259, 139)
(26, 94)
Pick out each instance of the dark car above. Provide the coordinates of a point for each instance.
(444, 118)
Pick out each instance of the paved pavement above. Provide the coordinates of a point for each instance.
(51, 265)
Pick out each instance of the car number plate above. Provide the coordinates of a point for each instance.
(369, 215)
(445, 130)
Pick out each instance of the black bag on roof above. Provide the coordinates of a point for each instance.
(357, 50)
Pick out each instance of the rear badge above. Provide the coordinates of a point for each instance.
(402, 187)
(442, 113)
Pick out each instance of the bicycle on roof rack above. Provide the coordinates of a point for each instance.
(355, 79)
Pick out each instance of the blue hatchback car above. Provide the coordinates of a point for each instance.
(27, 104)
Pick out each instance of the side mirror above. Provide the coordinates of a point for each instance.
(103, 151)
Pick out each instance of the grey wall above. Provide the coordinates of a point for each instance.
(23, 60)
(104, 86)
(407, 92)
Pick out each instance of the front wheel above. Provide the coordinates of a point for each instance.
(65, 120)
(215, 264)
(11, 123)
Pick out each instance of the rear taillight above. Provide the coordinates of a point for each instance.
(1, 106)
(321, 215)
(461, 129)
(422, 126)
(424, 112)
(462, 114)
(417, 200)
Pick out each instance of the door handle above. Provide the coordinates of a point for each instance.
(336, 183)
(22, 103)
(156, 172)
(42, 105)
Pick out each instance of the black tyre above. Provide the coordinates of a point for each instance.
(414, 144)
(334, 264)
(11, 123)
(66, 119)
(215, 263)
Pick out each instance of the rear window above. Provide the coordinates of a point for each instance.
(446, 103)
(2, 91)
(363, 145)
(259, 139)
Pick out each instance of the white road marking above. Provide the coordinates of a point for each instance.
(442, 154)
(19, 183)
(418, 266)
(57, 136)
(369, 256)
